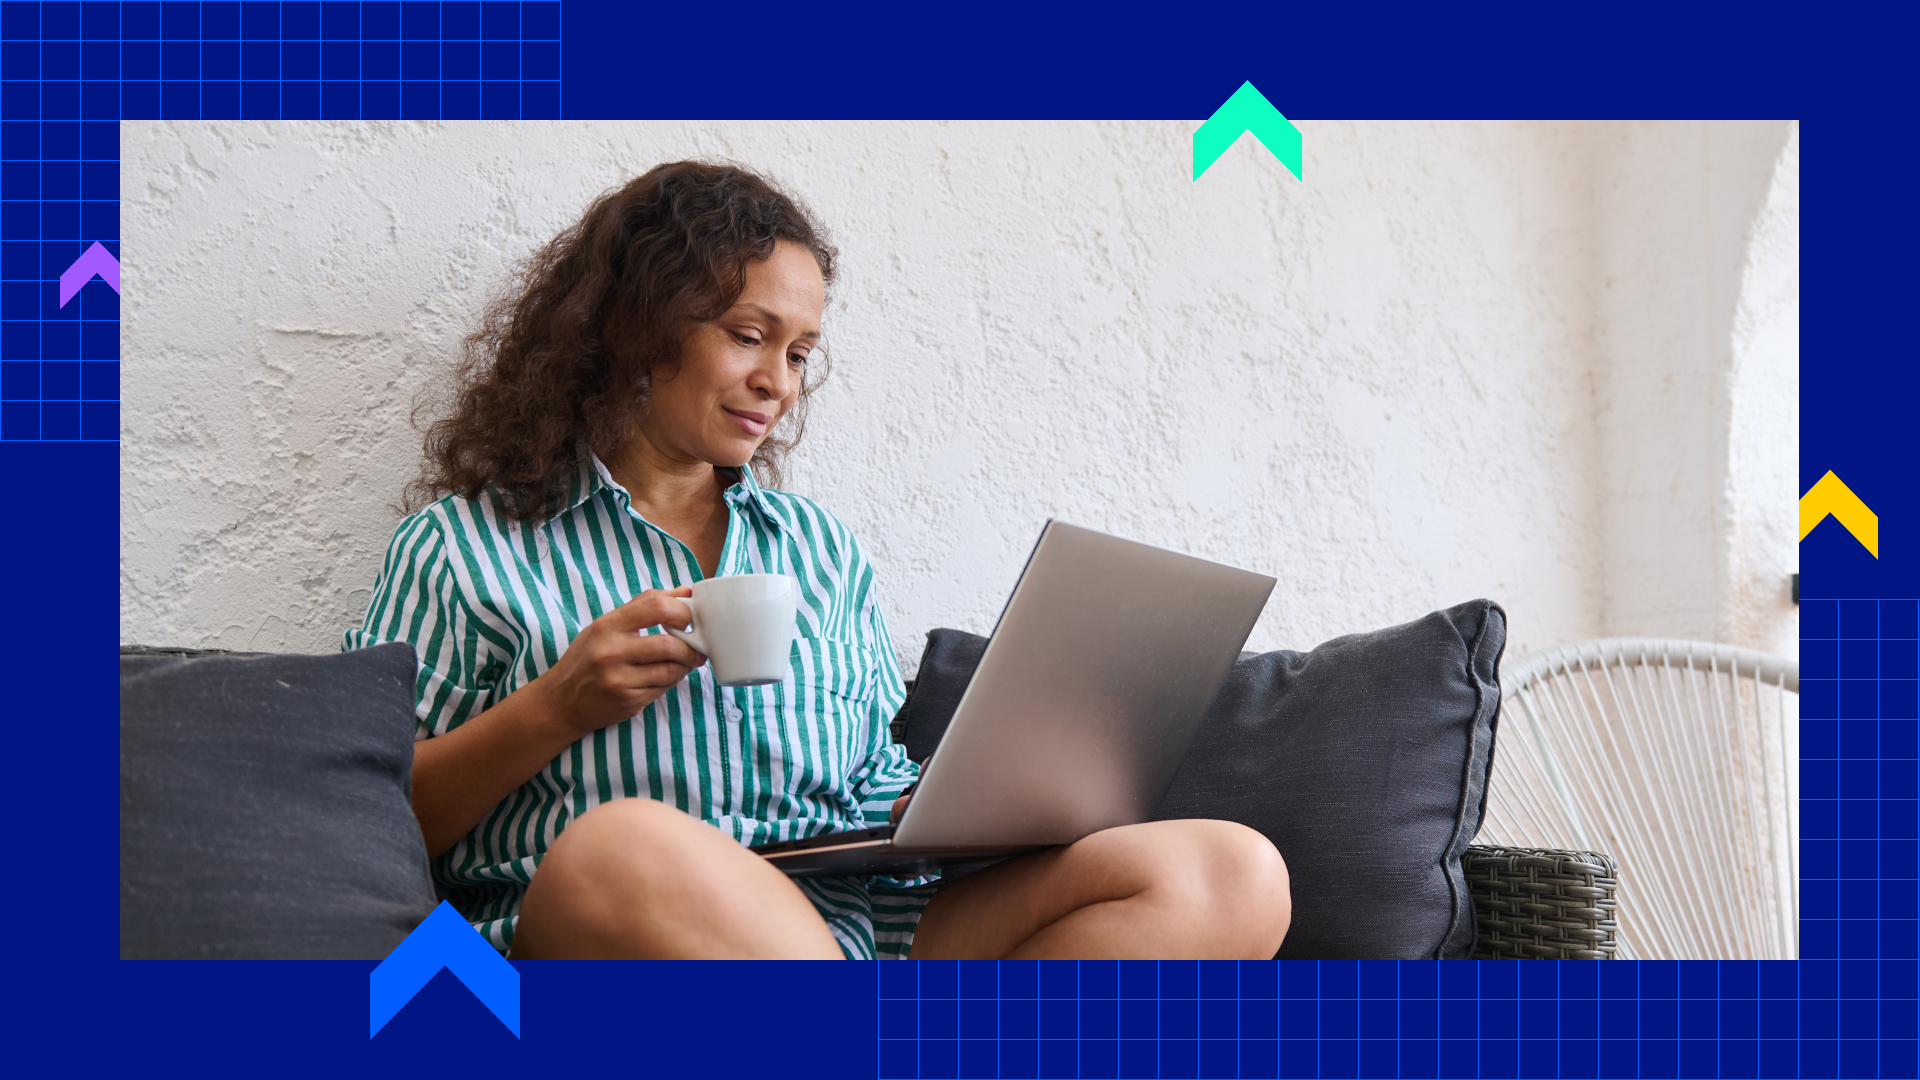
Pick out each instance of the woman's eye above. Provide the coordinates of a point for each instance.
(797, 359)
(746, 340)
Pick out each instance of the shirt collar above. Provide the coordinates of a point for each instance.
(593, 478)
(746, 490)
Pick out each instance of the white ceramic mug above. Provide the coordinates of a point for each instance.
(745, 624)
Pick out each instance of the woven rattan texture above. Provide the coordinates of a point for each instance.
(1538, 904)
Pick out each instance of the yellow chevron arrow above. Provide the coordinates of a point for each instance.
(1829, 496)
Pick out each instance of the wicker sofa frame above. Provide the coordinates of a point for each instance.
(1542, 904)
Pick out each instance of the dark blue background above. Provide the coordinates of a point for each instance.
(80, 1011)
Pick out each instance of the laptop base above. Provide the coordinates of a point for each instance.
(872, 851)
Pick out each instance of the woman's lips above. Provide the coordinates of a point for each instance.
(754, 423)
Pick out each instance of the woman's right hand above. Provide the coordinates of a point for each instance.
(611, 670)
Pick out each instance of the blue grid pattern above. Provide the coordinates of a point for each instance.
(1859, 777)
(70, 71)
(1815, 1018)
(498, 59)
(59, 193)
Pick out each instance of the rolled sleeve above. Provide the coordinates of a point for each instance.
(416, 600)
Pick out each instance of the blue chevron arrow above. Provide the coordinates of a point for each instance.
(444, 940)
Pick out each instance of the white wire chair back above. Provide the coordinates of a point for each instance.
(1681, 760)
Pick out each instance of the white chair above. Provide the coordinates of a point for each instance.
(1681, 760)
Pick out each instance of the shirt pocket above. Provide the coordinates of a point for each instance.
(830, 697)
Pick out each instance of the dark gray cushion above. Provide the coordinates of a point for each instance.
(1364, 760)
(264, 806)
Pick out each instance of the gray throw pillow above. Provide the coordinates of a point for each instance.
(265, 806)
(1364, 760)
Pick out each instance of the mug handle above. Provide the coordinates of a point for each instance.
(691, 635)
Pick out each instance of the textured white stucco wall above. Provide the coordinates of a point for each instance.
(1386, 385)
(1697, 355)
(1763, 542)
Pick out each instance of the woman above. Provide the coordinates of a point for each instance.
(584, 787)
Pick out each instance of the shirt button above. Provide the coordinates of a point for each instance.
(733, 711)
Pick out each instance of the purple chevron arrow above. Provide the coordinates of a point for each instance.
(96, 260)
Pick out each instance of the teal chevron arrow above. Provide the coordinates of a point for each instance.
(1246, 110)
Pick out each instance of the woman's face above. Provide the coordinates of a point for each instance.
(740, 373)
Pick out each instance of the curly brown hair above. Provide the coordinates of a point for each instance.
(567, 358)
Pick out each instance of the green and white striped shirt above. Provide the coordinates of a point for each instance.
(489, 604)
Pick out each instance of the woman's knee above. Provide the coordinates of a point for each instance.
(623, 846)
(631, 830)
(1251, 867)
(608, 859)
(637, 878)
(1226, 876)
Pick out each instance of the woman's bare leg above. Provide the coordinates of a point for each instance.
(636, 879)
(1187, 890)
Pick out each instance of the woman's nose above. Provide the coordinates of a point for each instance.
(776, 379)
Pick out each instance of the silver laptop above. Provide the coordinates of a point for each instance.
(1084, 703)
